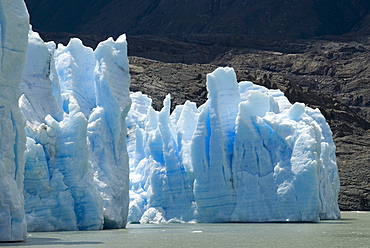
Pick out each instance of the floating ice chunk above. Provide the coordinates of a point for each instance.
(153, 215)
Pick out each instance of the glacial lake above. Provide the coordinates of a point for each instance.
(352, 230)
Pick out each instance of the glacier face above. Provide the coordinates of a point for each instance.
(13, 45)
(246, 155)
(75, 101)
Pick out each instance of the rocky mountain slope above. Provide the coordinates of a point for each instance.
(268, 18)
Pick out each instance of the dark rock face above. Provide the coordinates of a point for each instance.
(157, 79)
(337, 68)
(268, 18)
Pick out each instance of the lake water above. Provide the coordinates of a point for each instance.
(353, 230)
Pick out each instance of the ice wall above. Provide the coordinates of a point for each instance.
(13, 45)
(246, 155)
(107, 130)
(75, 101)
(160, 186)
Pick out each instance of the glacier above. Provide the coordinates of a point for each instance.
(75, 101)
(79, 151)
(13, 45)
(99, 157)
(246, 155)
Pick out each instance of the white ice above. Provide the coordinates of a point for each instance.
(246, 155)
(13, 45)
(96, 157)
(75, 101)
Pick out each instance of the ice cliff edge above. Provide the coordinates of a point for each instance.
(64, 162)
(14, 25)
(75, 101)
(246, 155)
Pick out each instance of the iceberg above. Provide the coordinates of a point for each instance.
(13, 45)
(246, 155)
(75, 101)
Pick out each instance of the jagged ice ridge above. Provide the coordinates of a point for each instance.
(75, 101)
(246, 155)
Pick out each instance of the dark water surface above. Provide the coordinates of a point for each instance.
(353, 230)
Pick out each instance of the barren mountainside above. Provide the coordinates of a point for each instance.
(268, 18)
